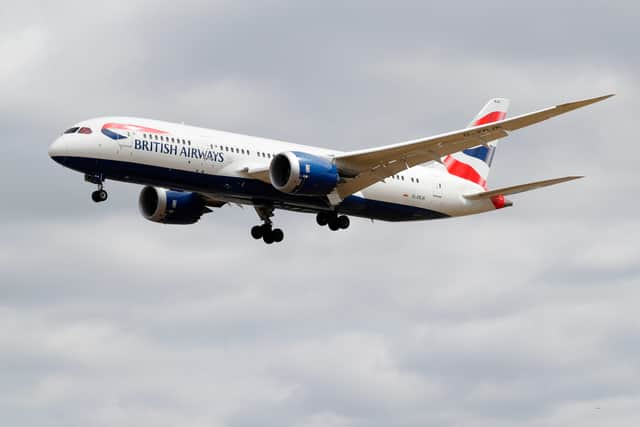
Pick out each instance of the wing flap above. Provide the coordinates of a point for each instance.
(519, 188)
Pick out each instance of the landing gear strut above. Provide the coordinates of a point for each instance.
(332, 219)
(266, 232)
(100, 195)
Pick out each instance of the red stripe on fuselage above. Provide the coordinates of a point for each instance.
(463, 170)
(495, 116)
(133, 127)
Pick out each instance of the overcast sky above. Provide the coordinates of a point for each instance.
(526, 316)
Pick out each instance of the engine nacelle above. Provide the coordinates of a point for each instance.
(303, 173)
(171, 207)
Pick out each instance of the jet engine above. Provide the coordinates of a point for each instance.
(303, 173)
(171, 207)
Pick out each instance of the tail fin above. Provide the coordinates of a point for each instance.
(473, 164)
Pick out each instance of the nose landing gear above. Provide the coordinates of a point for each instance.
(266, 232)
(100, 195)
(334, 221)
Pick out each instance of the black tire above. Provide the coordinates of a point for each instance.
(343, 222)
(95, 197)
(256, 232)
(277, 235)
(268, 238)
(321, 219)
(102, 195)
(333, 225)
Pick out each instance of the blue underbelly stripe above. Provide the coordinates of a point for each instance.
(250, 189)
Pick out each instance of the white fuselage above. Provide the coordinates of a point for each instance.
(218, 163)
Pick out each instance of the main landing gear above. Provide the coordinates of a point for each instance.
(100, 195)
(266, 232)
(332, 219)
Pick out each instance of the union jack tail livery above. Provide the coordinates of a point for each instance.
(473, 164)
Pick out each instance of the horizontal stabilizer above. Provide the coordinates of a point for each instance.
(519, 188)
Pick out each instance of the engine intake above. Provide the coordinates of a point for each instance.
(302, 173)
(171, 207)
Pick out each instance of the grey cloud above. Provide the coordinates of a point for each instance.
(525, 316)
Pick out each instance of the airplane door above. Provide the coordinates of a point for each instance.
(437, 192)
(125, 145)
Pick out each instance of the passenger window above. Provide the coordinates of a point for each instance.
(86, 131)
(71, 130)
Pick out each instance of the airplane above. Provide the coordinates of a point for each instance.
(186, 171)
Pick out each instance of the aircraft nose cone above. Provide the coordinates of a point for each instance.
(56, 150)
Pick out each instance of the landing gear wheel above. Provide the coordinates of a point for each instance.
(257, 232)
(277, 235)
(266, 231)
(268, 238)
(343, 222)
(99, 196)
(322, 219)
(333, 225)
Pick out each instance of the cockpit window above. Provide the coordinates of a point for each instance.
(85, 131)
(72, 130)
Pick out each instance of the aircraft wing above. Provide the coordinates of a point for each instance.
(365, 167)
(261, 174)
(519, 188)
